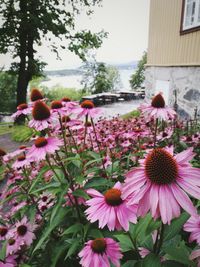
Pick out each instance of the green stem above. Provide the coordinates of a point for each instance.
(135, 245)
(48, 161)
(160, 239)
(155, 133)
(95, 133)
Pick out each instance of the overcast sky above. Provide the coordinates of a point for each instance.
(126, 21)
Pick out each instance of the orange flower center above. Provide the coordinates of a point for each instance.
(40, 142)
(2, 152)
(87, 104)
(158, 101)
(11, 242)
(3, 231)
(160, 167)
(36, 95)
(66, 119)
(88, 124)
(40, 111)
(21, 158)
(44, 198)
(56, 104)
(189, 139)
(22, 106)
(113, 197)
(22, 230)
(98, 245)
(66, 99)
(22, 147)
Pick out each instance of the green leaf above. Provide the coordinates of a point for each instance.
(80, 193)
(38, 178)
(94, 233)
(73, 248)
(129, 263)
(178, 253)
(96, 182)
(176, 226)
(58, 205)
(125, 242)
(139, 230)
(73, 229)
(57, 252)
(3, 251)
(172, 264)
(92, 161)
(93, 154)
(50, 227)
(151, 260)
(52, 185)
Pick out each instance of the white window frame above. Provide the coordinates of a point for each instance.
(195, 23)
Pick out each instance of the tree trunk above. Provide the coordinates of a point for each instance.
(22, 75)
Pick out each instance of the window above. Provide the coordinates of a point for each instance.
(190, 15)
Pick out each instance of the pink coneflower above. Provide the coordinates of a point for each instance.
(46, 201)
(161, 182)
(167, 134)
(15, 153)
(22, 109)
(43, 146)
(17, 206)
(9, 262)
(109, 209)
(12, 246)
(157, 109)
(196, 255)
(41, 116)
(69, 105)
(57, 107)
(100, 252)
(70, 200)
(193, 226)
(23, 232)
(87, 109)
(22, 161)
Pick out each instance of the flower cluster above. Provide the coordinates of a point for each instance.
(90, 191)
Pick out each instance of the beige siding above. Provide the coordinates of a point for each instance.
(166, 46)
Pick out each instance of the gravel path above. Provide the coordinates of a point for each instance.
(8, 144)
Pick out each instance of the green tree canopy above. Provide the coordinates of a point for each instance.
(27, 23)
(99, 78)
(138, 77)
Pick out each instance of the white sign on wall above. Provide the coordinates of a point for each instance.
(163, 87)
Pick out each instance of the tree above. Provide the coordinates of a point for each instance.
(8, 84)
(138, 77)
(99, 78)
(26, 23)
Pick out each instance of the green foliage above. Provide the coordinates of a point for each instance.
(25, 24)
(99, 78)
(137, 78)
(6, 128)
(132, 114)
(58, 92)
(8, 84)
(21, 133)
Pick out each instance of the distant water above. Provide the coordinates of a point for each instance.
(74, 81)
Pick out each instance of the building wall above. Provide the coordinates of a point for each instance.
(186, 82)
(166, 46)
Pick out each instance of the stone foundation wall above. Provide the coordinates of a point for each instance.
(184, 80)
